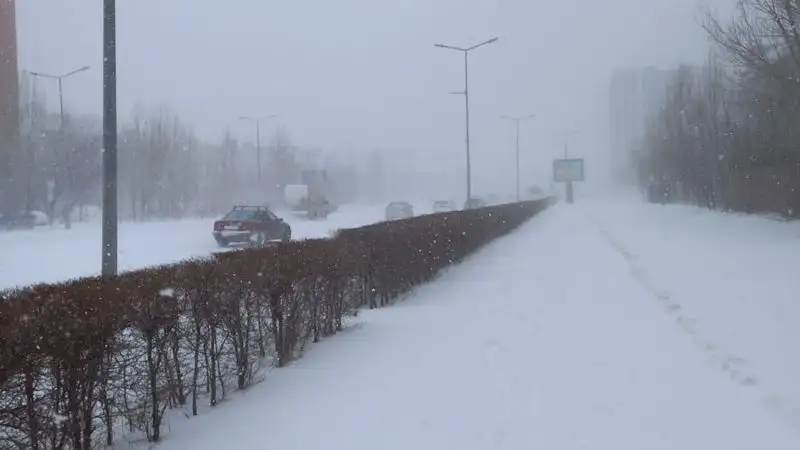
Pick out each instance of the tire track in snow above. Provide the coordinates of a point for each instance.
(732, 366)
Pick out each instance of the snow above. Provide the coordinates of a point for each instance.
(732, 283)
(567, 334)
(56, 254)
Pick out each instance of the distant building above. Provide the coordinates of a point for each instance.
(634, 96)
(9, 96)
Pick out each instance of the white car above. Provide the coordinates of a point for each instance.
(442, 206)
(399, 210)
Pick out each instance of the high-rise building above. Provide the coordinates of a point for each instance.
(635, 95)
(9, 96)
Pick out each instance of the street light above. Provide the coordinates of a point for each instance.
(516, 121)
(257, 121)
(60, 78)
(466, 51)
(110, 205)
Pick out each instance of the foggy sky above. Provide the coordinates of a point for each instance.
(363, 74)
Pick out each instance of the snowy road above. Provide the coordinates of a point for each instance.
(54, 254)
(553, 337)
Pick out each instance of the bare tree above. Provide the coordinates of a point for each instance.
(73, 162)
(160, 165)
(728, 133)
(763, 41)
(282, 159)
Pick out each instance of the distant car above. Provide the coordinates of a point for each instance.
(442, 206)
(254, 225)
(493, 199)
(475, 203)
(18, 221)
(399, 210)
(536, 190)
(319, 208)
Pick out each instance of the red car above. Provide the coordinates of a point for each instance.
(254, 225)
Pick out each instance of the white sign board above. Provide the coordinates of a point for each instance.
(566, 170)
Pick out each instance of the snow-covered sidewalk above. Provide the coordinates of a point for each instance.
(545, 339)
(731, 284)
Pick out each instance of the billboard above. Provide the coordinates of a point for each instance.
(568, 170)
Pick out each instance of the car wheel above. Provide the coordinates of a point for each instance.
(222, 242)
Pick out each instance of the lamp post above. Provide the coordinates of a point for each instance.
(60, 79)
(110, 206)
(516, 121)
(466, 51)
(569, 187)
(257, 121)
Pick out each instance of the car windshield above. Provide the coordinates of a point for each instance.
(241, 214)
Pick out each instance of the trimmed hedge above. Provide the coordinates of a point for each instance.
(90, 360)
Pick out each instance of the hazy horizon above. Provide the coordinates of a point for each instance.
(362, 75)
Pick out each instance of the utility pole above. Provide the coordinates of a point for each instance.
(10, 139)
(466, 51)
(110, 213)
(257, 121)
(258, 148)
(517, 121)
(570, 187)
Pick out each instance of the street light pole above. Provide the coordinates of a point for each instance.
(466, 101)
(59, 79)
(258, 147)
(61, 127)
(257, 121)
(569, 187)
(466, 125)
(61, 103)
(110, 213)
(517, 121)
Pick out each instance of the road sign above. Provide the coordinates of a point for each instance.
(568, 170)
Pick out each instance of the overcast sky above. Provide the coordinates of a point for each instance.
(364, 74)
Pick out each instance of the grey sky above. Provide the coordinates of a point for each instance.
(364, 73)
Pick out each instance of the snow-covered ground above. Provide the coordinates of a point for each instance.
(569, 334)
(731, 283)
(55, 254)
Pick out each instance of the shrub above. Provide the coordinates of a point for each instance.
(89, 359)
